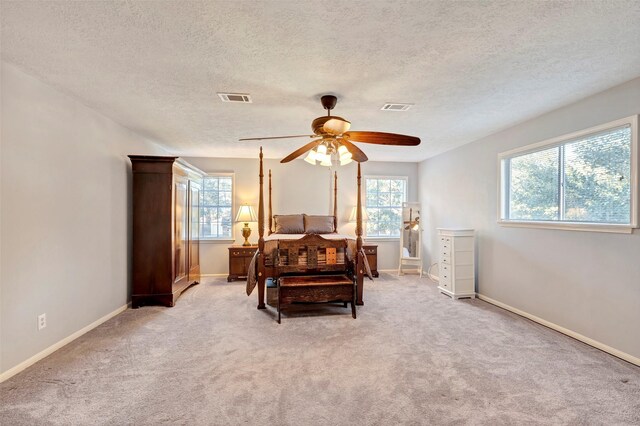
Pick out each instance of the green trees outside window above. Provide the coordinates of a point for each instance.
(582, 180)
(384, 198)
(216, 207)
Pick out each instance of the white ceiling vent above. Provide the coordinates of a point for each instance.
(244, 98)
(396, 107)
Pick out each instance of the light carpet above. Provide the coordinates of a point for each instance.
(413, 356)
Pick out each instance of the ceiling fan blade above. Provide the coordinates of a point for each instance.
(278, 137)
(336, 126)
(357, 154)
(381, 138)
(298, 152)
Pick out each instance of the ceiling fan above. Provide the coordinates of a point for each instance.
(334, 137)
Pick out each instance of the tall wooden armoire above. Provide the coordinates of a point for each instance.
(166, 229)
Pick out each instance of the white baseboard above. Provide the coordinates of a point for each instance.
(214, 275)
(598, 345)
(51, 349)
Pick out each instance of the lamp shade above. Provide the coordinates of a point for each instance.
(326, 161)
(246, 214)
(365, 216)
(345, 161)
(311, 157)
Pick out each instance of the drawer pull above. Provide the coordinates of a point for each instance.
(235, 253)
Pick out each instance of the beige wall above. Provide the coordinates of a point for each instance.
(587, 282)
(299, 187)
(65, 215)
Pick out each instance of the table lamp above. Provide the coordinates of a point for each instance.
(246, 214)
(353, 218)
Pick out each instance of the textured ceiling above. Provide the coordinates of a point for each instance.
(470, 68)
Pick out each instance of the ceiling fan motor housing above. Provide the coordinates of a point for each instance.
(329, 102)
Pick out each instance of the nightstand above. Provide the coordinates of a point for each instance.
(239, 259)
(372, 257)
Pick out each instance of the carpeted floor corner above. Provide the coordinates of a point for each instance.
(413, 356)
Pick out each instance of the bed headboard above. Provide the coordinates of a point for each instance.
(335, 202)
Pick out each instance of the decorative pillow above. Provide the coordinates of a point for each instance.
(289, 223)
(318, 224)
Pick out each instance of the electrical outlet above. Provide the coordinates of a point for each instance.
(42, 321)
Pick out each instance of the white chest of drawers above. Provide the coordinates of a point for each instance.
(457, 262)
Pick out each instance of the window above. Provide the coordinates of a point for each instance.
(586, 180)
(383, 200)
(217, 207)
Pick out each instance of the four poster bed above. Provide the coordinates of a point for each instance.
(303, 251)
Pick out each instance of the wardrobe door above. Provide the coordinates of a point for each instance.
(194, 231)
(181, 230)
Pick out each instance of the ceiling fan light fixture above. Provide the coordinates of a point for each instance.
(326, 161)
(336, 126)
(311, 157)
(322, 150)
(345, 155)
(345, 161)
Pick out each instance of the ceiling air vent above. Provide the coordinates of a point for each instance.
(396, 107)
(244, 98)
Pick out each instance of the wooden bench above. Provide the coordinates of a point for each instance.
(316, 289)
(313, 269)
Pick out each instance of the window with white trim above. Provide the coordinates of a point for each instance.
(216, 212)
(384, 196)
(585, 180)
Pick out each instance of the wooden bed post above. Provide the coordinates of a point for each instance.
(270, 208)
(335, 201)
(359, 259)
(261, 256)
